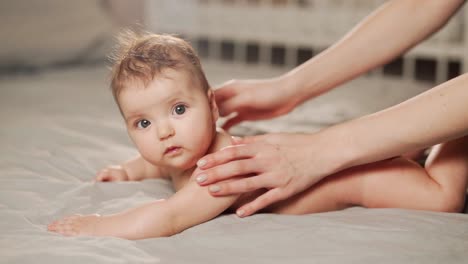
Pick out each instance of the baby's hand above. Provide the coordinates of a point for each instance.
(112, 173)
(75, 225)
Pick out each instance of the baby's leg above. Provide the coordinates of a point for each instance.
(397, 182)
(439, 186)
(335, 192)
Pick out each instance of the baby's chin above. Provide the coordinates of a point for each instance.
(184, 166)
(179, 163)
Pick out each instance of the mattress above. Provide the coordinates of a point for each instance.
(58, 127)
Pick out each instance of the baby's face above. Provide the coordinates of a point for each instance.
(172, 121)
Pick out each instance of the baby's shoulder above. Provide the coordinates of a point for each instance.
(223, 139)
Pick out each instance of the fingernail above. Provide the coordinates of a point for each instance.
(240, 213)
(214, 188)
(201, 178)
(236, 139)
(201, 163)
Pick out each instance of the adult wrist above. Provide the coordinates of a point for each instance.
(293, 88)
(306, 82)
(339, 148)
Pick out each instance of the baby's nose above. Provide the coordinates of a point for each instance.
(165, 131)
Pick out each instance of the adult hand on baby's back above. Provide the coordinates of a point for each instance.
(284, 164)
(112, 173)
(254, 100)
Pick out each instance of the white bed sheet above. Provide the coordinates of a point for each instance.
(58, 128)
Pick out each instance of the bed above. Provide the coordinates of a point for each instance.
(59, 125)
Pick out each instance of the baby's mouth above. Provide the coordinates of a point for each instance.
(172, 150)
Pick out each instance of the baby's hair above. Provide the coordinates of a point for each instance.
(140, 57)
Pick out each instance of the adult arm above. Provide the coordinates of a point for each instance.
(389, 31)
(436, 116)
(289, 163)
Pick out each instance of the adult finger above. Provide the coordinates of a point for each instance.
(224, 93)
(226, 171)
(264, 200)
(239, 186)
(235, 104)
(225, 155)
(233, 121)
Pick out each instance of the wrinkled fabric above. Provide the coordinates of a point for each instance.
(58, 128)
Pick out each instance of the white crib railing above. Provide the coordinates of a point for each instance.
(290, 25)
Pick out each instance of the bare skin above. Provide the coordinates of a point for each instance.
(397, 182)
(288, 164)
(172, 122)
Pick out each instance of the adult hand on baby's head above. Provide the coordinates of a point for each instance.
(254, 100)
(285, 164)
(112, 173)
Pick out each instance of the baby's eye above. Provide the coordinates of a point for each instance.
(179, 109)
(143, 124)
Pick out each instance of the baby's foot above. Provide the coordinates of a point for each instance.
(75, 225)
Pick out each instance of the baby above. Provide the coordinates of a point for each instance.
(170, 114)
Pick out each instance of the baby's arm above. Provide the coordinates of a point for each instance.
(190, 206)
(136, 169)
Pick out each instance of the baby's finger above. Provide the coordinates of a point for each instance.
(103, 177)
(52, 226)
(108, 175)
(103, 171)
(101, 174)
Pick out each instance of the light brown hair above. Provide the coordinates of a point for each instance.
(143, 56)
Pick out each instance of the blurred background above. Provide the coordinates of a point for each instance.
(235, 39)
(272, 33)
(59, 125)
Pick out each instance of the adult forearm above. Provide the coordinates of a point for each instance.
(388, 32)
(433, 117)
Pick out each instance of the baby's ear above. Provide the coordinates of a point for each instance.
(213, 105)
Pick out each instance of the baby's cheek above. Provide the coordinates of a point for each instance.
(197, 132)
(149, 152)
(202, 142)
(152, 157)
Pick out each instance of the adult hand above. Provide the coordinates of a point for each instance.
(284, 164)
(255, 99)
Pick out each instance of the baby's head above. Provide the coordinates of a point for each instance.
(164, 97)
